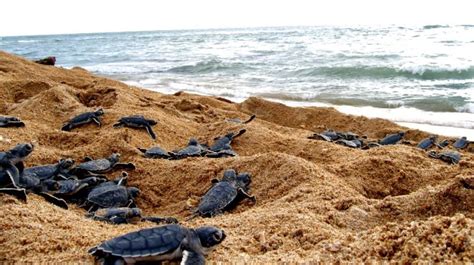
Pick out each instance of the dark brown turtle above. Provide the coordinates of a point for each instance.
(84, 118)
(137, 121)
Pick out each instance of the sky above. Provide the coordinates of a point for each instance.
(37, 17)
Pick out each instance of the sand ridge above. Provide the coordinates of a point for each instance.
(316, 201)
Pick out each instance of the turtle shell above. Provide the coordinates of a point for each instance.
(156, 152)
(158, 243)
(391, 139)
(42, 172)
(96, 166)
(426, 143)
(461, 143)
(217, 199)
(108, 195)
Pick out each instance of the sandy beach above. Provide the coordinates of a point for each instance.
(316, 200)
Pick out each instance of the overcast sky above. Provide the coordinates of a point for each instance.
(31, 17)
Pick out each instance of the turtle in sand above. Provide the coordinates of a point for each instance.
(193, 149)
(137, 121)
(443, 143)
(50, 60)
(224, 194)
(112, 194)
(461, 143)
(223, 142)
(237, 120)
(427, 142)
(392, 138)
(328, 135)
(160, 243)
(125, 215)
(451, 157)
(349, 143)
(155, 152)
(100, 166)
(11, 167)
(84, 118)
(10, 122)
(44, 172)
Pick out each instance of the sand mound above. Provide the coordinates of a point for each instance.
(316, 201)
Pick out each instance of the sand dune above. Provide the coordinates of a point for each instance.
(316, 201)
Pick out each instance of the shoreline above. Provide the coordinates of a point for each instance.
(369, 112)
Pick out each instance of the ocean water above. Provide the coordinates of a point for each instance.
(419, 74)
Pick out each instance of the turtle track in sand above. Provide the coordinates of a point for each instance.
(316, 201)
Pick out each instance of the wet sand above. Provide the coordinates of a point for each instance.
(316, 201)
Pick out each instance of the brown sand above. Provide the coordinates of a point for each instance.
(317, 201)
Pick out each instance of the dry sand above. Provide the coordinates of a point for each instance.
(316, 201)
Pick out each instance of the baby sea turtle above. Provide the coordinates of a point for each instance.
(155, 152)
(50, 60)
(224, 194)
(102, 165)
(328, 135)
(125, 215)
(12, 164)
(352, 144)
(137, 121)
(10, 122)
(450, 157)
(84, 118)
(427, 142)
(222, 143)
(461, 143)
(443, 143)
(166, 242)
(237, 120)
(44, 172)
(193, 149)
(392, 138)
(111, 194)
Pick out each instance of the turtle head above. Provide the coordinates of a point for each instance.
(401, 134)
(433, 137)
(243, 180)
(134, 212)
(66, 163)
(99, 112)
(114, 158)
(20, 152)
(193, 141)
(133, 192)
(229, 175)
(210, 236)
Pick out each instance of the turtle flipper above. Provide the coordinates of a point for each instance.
(97, 121)
(250, 119)
(239, 133)
(54, 200)
(150, 132)
(248, 196)
(161, 220)
(18, 193)
(193, 258)
(118, 124)
(67, 127)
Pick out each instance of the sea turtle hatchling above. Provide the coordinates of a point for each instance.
(461, 143)
(223, 142)
(427, 142)
(451, 157)
(160, 243)
(137, 121)
(224, 194)
(100, 166)
(111, 194)
(392, 138)
(349, 143)
(125, 215)
(328, 135)
(11, 167)
(44, 172)
(155, 152)
(84, 118)
(193, 149)
(6, 121)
